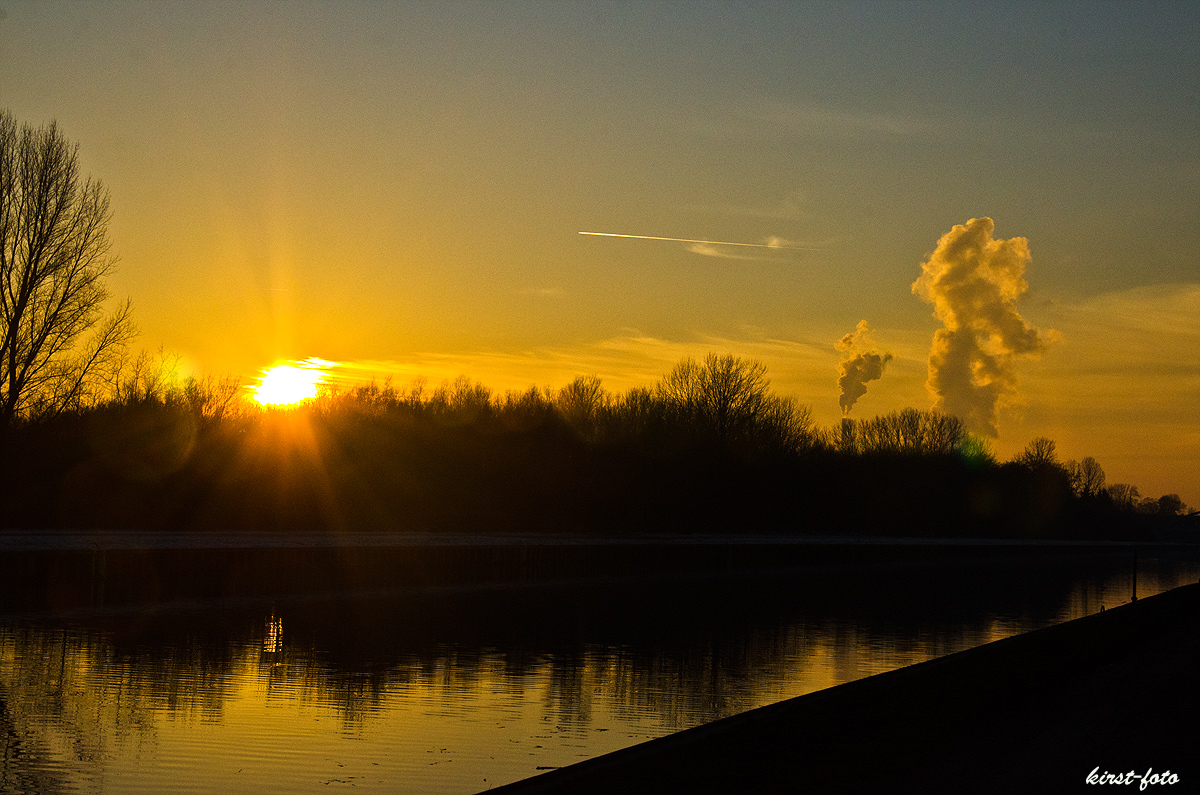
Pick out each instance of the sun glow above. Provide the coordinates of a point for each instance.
(291, 383)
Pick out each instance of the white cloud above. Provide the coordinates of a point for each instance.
(722, 252)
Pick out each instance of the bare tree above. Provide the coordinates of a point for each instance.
(1091, 477)
(845, 437)
(1038, 454)
(57, 351)
(579, 401)
(788, 426)
(632, 416)
(461, 402)
(212, 398)
(1074, 475)
(723, 396)
(727, 400)
(911, 431)
(1124, 495)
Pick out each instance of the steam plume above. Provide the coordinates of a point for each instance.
(973, 283)
(862, 364)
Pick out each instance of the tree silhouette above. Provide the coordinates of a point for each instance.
(579, 401)
(54, 257)
(1170, 505)
(1039, 454)
(723, 397)
(1123, 495)
(911, 431)
(1091, 477)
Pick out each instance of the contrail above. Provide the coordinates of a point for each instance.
(692, 240)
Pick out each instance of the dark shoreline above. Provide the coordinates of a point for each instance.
(23, 540)
(1036, 712)
(72, 570)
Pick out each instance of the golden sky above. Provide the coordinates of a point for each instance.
(400, 187)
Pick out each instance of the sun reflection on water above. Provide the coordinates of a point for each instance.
(273, 639)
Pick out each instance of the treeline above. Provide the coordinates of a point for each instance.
(1087, 481)
(708, 448)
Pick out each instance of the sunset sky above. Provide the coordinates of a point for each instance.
(400, 188)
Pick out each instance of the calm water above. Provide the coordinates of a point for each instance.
(455, 690)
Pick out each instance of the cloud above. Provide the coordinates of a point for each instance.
(709, 250)
(774, 242)
(710, 247)
(862, 364)
(1124, 386)
(624, 361)
(1136, 352)
(973, 282)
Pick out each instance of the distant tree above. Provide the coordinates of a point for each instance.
(1038, 454)
(723, 397)
(724, 400)
(911, 431)
(1171, 505)
(212, 399)
(415, 399)
(1090, 478)
(845, 437)
(579, 402)
(976, 449)
(461, 401)
(525, 410)
(146, 378)
(1073, 474)
(1123, 495)
(943, 433)
(1085, 477)
(786, 426)
(637, 414)
(57, 351)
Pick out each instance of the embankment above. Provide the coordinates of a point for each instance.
(1117, 691)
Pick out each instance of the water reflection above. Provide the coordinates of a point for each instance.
(457, 690)
(273, 637)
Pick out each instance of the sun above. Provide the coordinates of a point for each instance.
(291, 383)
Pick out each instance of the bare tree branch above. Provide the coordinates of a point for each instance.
(56, 349)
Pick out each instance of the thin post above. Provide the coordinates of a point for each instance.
(1134, 574)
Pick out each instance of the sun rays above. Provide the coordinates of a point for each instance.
(291, 383)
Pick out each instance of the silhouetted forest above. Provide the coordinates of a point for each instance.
(709, 448)
(90, 439)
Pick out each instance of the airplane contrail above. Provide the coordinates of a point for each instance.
(693, 240)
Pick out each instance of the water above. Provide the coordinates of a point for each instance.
(447, 689)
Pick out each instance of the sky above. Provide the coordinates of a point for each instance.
(400, 188)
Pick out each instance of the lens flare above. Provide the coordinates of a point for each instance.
(291, 382)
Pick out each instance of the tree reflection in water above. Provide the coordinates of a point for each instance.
(500, 680)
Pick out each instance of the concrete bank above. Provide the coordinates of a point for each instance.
(1118, 691)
